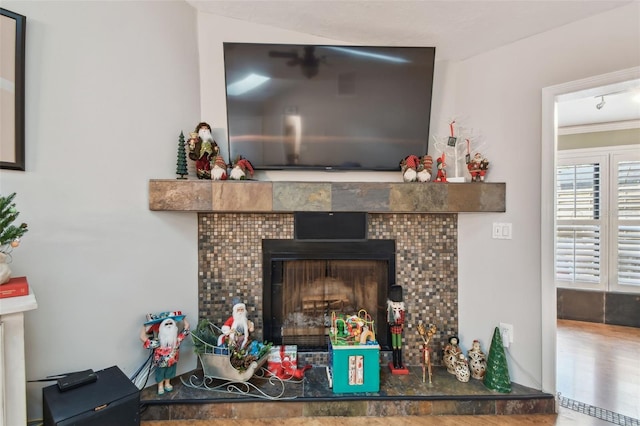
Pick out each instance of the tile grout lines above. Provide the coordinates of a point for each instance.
(597, 412)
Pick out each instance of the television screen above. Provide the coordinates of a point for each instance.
(327, 107)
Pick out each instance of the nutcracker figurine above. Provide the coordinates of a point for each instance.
(395, 318)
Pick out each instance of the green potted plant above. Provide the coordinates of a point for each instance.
(9, 234)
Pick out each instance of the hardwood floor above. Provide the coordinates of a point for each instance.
(562, 419)
(597, 365)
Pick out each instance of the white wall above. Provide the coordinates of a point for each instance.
(110, 85)
(500, 280)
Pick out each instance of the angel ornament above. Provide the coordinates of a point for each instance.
(426, 334)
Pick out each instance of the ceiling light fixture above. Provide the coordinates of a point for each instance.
(601, 103)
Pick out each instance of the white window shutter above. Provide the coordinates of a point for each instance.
(626, 222)
(578, 223)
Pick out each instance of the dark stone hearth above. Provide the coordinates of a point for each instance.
(398, 396)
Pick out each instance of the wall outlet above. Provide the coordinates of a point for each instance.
(506, 332)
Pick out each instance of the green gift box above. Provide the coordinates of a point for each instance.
(355, 368)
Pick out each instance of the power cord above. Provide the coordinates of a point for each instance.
(533, 379)
(143, 372)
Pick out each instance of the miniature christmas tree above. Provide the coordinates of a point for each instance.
(9, 233)
(182, 158)
(497, 375)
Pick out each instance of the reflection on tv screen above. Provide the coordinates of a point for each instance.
(339, 107)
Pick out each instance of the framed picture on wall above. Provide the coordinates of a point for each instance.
(12, 75)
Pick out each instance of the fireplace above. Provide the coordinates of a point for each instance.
(305, 282)
(230, 266)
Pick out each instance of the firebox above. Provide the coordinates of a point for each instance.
(305, 282)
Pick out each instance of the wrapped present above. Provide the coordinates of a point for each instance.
(283, 362)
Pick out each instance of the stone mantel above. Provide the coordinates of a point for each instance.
(284, 196)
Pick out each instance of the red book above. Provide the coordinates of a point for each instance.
(17, 286)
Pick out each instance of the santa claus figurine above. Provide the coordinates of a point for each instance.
(236, 329)
(160, 333)
(203, 150)
(478, 167)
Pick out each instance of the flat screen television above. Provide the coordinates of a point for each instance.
(327, 107)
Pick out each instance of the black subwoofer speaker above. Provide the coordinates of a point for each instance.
(330, 225)
(111, 400)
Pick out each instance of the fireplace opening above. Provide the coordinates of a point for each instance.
(306, 282)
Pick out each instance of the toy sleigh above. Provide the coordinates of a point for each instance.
(219, 374)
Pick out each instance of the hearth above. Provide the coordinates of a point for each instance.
(305, 282)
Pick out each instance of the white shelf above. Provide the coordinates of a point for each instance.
(13, 392)
(11, 305)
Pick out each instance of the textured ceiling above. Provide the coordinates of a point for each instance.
(458, 29)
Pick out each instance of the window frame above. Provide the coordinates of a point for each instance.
(576, 157)
(617, 156)
(608, 158)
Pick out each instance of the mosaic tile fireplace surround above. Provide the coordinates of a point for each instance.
(230, 266)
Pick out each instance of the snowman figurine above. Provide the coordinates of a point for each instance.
(451, 352)
(477, 361)
(462, 368)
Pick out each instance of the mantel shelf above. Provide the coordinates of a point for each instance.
(283, 196)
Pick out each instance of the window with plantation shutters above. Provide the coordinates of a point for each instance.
(579, 222)
(597, 208)
(626, 222)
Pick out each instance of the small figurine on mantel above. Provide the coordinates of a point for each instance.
(424, 168)
(219, 168)
(408, 167)
(181, 163)
(236, 329)
(240, 168)
(160, 333)
(203, 150)
(478, 167)
(396, 318)
(441, 175)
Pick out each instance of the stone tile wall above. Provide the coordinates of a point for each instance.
(230, 267)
